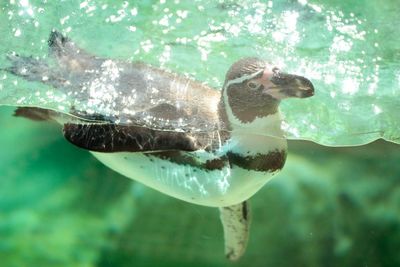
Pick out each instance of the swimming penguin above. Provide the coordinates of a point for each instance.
(169, 132)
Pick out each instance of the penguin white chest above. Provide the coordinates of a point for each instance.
(227, 177)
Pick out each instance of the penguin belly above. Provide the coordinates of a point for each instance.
(226, 186)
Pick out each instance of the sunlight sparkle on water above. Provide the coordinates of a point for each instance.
(398, 78)
(134, 11)
(350, 86)
(316, 8)
(330, 79)
(287, 29)
(339, 44)
(17, 33)
(83, 4)
(24, 3)
(377, 109)
(64, 19)
(26, 8)
(132, 28)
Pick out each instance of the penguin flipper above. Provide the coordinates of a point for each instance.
(236, 222)
(108, 137)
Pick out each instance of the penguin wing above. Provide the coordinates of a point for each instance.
(110, 137)
(118, 138)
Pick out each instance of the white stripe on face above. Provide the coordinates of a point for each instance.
(235, 122)
(265, 132)
(242, 79)
(231, 117)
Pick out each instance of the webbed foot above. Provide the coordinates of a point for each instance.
(235, 221)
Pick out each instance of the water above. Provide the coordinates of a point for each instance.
(329, 207)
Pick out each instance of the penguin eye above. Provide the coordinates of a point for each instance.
(253, 85)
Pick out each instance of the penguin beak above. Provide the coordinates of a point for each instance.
(283, 85)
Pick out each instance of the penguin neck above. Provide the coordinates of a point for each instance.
(261, 136)
(264, 123)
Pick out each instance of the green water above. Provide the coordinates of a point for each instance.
(329, 206)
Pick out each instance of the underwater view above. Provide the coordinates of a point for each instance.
(147, 133)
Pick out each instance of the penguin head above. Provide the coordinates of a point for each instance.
(254, 88)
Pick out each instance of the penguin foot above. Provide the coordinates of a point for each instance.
(235, 221)
(57, 42)
(29, 68)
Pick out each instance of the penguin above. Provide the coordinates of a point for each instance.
(181, 137)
